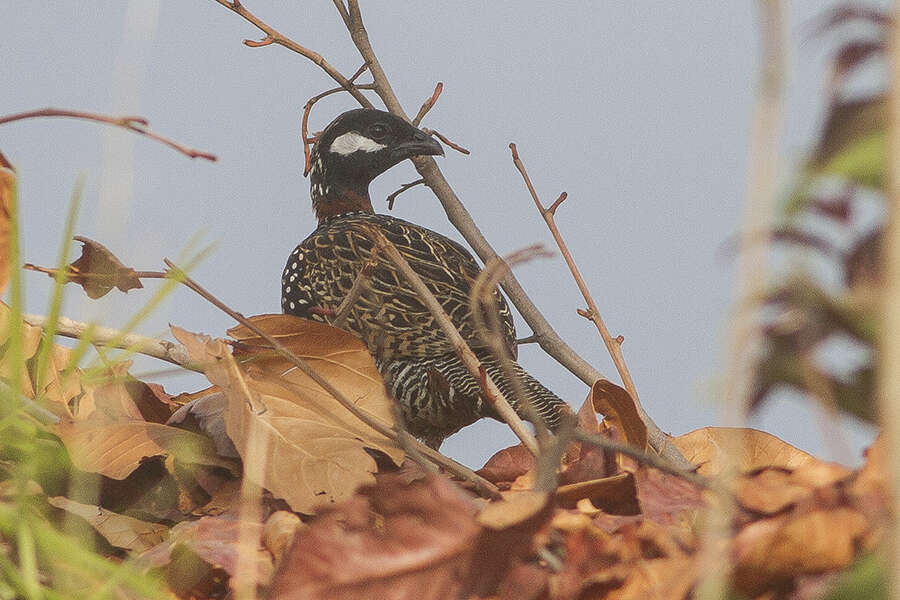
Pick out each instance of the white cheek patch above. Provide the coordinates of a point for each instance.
(351, 142)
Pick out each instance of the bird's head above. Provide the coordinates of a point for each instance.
(354, 149)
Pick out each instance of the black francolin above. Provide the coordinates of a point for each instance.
(437, 394)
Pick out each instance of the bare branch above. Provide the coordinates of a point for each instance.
(304, 123)
(101, 336)
(139, 125)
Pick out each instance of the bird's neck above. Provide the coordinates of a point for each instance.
(332, 198)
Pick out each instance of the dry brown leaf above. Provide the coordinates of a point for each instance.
(619, 411)
(7, 183)
(217, 541)
(418, 541)
(116, 448)
(98, 270)
(302, 444)
(770, 491)
(512, 510)
(755, 449)
(773, 551)
(120, 531)
(506, 465)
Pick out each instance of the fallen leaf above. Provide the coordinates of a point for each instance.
(419, 541)
(120, 531)
(220, 542)
(294, 438)
(116, 448)
(753, 449)
(773, 551)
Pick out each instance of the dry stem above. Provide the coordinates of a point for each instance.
(356, 290)
(483, 486)
(101, 336)
(139, 125)
(491, 392)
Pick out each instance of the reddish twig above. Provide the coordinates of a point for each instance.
(444, 139)
(428, 104)
(274, 37)
(139, 125)
(308, 140)
(403, 188)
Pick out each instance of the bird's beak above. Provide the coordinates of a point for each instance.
(421, 144)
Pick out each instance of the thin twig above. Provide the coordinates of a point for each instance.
(491, 392)
(359, 286)
(101, 336)
(274, 37)
(304, 122)
(651, 460)
(428, 104)
(139, 125)
(403, 188)
(613, 344)
(483, 486)
(531, 339)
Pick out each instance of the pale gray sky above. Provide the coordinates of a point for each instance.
(639, 110)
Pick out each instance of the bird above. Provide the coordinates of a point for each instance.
(435, 392)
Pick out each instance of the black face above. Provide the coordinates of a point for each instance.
(361, 144)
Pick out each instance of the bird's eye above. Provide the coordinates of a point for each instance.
(378, 131)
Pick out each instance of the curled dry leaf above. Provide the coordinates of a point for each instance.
(120, 531)
(97, 270)
(619, 411)
(305, 447)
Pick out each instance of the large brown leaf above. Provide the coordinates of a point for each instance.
(117, 448)
(707, 448)
(120, 531)
(294, 438)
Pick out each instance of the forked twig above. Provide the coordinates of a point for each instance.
(274, 37)
(444, 139)
(428, 104)
(484, 487)
(491, 392)
(139, 125)
(613, 344)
